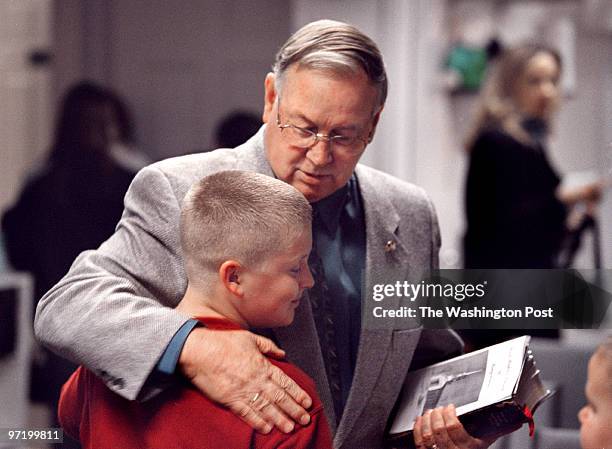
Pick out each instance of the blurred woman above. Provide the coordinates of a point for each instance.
(123, 136)
(72, 204)
(516, 213)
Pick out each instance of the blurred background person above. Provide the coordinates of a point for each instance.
(122, 135)
(516, 212)
(233, 129)
(69, 205)
(236, 128)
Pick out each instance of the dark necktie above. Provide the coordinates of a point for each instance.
(324, 320)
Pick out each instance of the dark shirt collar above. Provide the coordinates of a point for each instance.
(328, 210)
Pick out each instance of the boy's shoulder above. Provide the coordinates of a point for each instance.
(302, 379)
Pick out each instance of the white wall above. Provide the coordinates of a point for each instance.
(413, 141)
(420, 135)
(25, 95)
(182, 65)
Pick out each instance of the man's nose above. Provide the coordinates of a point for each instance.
(321, 152)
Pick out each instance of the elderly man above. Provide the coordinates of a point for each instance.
(112, 312)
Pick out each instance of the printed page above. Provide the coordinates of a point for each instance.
(471, 381)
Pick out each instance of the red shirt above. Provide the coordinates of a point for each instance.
(179, 417)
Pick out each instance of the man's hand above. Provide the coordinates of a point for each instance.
(229, 368)
(440, 429)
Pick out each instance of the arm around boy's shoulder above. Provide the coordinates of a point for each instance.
(122, 287)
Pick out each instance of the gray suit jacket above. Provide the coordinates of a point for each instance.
(107, 312)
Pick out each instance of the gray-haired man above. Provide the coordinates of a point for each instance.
(322, 105)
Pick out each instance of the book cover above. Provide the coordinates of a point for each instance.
(494, 390)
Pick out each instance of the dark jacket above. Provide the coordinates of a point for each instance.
(514, 219)
(61, 212)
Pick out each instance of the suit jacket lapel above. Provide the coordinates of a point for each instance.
(382, 266)
(301, 344)
(300, 339)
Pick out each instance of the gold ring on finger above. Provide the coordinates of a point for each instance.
(254, 398)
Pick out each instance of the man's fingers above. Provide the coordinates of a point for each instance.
(417, 434)
(230, 369)
(441, 429)
(438, 425)
(287, 395)
(455, 429)
(427, 435)
(267, 347)
(274, 414)
(286, 384)
(457, 432)
(251, 417)
(267, 409)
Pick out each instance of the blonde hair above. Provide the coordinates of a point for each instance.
(334, 46)
(497, 105)
(238, 215)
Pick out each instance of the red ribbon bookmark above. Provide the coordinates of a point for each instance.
(529, 417)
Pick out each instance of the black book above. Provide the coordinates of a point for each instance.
(494, 390)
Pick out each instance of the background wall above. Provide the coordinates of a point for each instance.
(182, 65)
(421, 131)
(25, 90)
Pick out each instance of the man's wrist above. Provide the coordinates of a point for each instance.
(168, 362)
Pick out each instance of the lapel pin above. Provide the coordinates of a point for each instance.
(390, 246)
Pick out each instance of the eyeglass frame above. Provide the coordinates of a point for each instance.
(319, 136)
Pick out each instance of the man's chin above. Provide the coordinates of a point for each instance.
(314, 193)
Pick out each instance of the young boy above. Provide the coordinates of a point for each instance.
(245, 239)
(596, 417)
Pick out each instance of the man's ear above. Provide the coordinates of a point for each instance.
(230, 273)
(269, 97)
(375, 120)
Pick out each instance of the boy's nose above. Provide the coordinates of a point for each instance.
(308, 280)
(581, 414)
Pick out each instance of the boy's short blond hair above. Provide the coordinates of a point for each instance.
(241, 216)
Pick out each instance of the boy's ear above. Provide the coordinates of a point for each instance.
(230, 273)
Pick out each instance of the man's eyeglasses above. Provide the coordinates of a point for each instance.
(305, 138)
